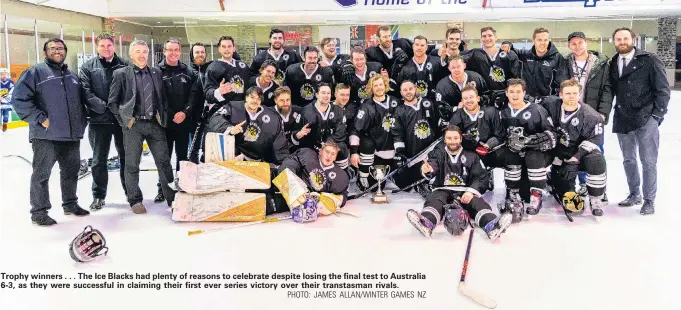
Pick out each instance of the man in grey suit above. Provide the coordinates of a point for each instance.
(138, 102)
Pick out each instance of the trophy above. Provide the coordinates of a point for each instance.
(379, 173)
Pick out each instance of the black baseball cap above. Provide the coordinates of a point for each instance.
(576, 34)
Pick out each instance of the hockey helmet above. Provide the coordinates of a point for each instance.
(89, 244)
(573, 202)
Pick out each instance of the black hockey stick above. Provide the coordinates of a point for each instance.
(482, 300)
(392, 191)
(21, 157)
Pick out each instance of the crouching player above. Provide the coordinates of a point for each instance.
(323, 178)
(579, 129)
(460, 179)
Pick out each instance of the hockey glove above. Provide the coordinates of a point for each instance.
(543, 141)
(400, 56)
(445, 110)
(516, 140)
(456, 219)
(348, 70)
(400, 158)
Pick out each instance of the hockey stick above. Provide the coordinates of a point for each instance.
(21, 157)
(269, 220)
(482, 300)
(392, 191)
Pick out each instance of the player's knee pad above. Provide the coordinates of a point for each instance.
(513, 173)
(595, 184)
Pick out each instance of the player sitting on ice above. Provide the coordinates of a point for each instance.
(530, 138)
(460, 179)
(580, 131)
(321, 176)
(258, 131)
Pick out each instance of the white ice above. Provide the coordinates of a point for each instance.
(627, 261)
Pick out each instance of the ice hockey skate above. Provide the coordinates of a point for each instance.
(422, 224)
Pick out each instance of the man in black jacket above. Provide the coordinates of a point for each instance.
(543, 66)
(138, 102)
(56, 117)
(197, 56)
(639, 82)
(95, 77)
(179, 85)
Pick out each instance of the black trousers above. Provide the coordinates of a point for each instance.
(45, 154)
(434, 207)
(595, 167)
(368, 158)
(179, 138)
(100, 140)
(133, 139)
(496, 159)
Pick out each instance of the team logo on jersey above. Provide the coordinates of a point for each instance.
(481, 113)
(372, 73)
(497, 74)
(339, 61)
(266, 119)
(546, 63)
(331, 115)
(453, 179)
(183, 80)
(270, 95)
(297, 117)
(222, 111)
(527, 115)
(426, 103)
(421, 88)
(464, 160)
(429, 66)
(285, 57)
(242, 65)
(393, 103)
(502, 54)
(332, 175)
(387, 123)
(422, 129)
(362, 92)
(307, 91)
(564, 137)
(360, 114)
(318, 77)
(575, 122)
(238, 85)
(279, 77)
(252, 132)
(317, 179)
(472, 83)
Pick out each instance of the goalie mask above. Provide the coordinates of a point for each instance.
(88, 245)
(573, 202)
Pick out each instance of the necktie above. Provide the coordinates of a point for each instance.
(624, 65)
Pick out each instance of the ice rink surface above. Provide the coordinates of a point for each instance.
(627, 261)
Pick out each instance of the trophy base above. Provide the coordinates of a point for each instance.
(379, 199)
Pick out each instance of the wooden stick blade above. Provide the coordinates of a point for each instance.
(482, 300)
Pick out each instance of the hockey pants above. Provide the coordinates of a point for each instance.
(534, 163)
(592, 164)
(434, 207)
(368, 158)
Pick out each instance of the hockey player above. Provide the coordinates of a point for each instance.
(460, 179)
(357, 73)
(258, 131)
(544, 68)
(227, 78)
(320, 174)
(322, 121)
(580, 131)
(265, 81)
(290, 114)
(448, 90)
(278, 54)
(349, 107)
(424, 70)
(389, 51)
(331, 59)
(415, 128)
(452, 47)
(530, 138)
(493, 64)
(371, 141)
(483, 131)
(304, 78)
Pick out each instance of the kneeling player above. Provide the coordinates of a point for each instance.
(321, 175)
(460, 181)
(580, 131)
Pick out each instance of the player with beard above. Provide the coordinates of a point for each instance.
(530, 138)
(258, 131)
(322, 121)
(265, 81)
(448, 90)
(321, 176)
(452, 47)
(303, 79)
(460, 179)
(372, 142)
(281, 56)
(544, 68)
(415, 128)
(290, 115)
(493, 64)
(331, 59)
(424, 70)
(389, 51)
(357, 72)
(226, 78)
(580, 129)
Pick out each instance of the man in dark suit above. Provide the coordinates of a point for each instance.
(639, 82)
(138, 102)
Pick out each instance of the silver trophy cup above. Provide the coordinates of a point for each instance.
(379, 173)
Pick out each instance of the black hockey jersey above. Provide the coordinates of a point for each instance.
(289, 123)
(425, 76)
(463, 172)
(336, 65)
(267, 91)
(448, 91)
(375, 121)
(532, 118)
(262, 138)
(578, 133)
(416, 126)
(495, 71)
(483, 127)
(305, 164)
(350, 111)
(323, 126)
(543, 74)
(358, 83)
(235, 73)
(285, 59)
(303, 86)
(375, 53)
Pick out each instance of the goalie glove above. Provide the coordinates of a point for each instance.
(543, 141)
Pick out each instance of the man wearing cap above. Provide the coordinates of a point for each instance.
(591, 70)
